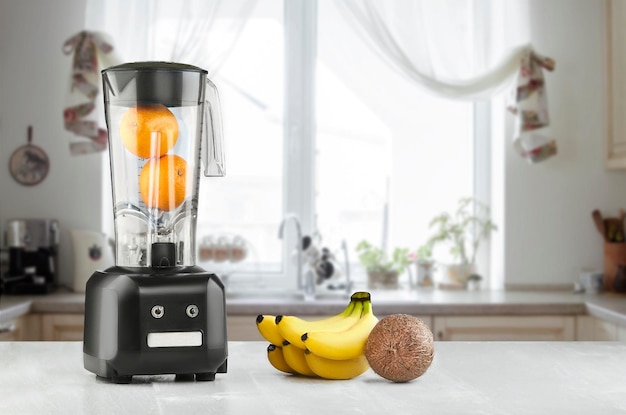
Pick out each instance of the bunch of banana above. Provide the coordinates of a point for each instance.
(330, 348)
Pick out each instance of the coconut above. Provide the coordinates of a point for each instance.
(400, 348)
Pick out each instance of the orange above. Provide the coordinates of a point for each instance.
(162, 182)
(148, 130)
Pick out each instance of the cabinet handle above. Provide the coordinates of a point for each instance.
(440, 335)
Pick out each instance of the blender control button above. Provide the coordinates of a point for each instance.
(157, 311)
(192, 310)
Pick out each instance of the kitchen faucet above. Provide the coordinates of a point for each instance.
(309, 287)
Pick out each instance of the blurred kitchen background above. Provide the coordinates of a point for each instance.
(318, 125)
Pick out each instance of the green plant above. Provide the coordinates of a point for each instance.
(464, 229)
(424, 253)
(374, 259)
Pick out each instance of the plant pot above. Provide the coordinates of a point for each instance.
(460, 273)
(425, 273)
(382, 280)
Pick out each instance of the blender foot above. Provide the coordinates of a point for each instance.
(208, 376)
(184, 377)
(223, 367)
(121, 379)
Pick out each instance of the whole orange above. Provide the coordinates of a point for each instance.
(162, 182)
(148, 130)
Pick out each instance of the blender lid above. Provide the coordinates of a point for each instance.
(168, 83)
(155, 66)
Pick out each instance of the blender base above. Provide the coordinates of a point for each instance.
(150, 321)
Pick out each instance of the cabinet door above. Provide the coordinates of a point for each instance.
(616, 145)
(589, 328)
(62, 327)
(501, 328)
(242, 328)
(21, 329)
(12, 331)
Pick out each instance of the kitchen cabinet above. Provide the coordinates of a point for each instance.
(243, 328)
(504, 328)
(62, 327)
(589, 328)
(616, 44)
(21, 329)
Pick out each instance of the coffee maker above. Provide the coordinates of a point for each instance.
(32, 246)
(156, 312)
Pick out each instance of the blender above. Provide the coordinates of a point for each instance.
(156, 312)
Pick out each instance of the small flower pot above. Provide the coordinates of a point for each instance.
(382, 280)
(460, 273)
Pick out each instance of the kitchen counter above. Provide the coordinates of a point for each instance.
(609, 306)
(465, 378)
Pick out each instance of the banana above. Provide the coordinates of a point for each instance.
(267, 327)
(348, 344)
(294, 357)
(336, 369)
(276, 358)
(292, 328)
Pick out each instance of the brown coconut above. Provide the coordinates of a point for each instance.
(400, 348)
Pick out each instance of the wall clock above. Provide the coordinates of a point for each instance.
(29, 164)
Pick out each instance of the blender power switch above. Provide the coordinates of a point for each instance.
(157, 311)
(192, 310)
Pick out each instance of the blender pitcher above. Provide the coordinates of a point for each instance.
(157, 312)
(157, 113)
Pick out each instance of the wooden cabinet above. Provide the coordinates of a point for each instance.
(589, 328)
(24, 328)
(504, 328)
(242, 328)
(62, 327)
(616, 83)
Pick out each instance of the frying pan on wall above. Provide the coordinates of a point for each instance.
(29, 164)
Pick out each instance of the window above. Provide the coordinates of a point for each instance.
(318, 126)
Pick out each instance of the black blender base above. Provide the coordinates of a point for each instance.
(180, 377)
(123, 331)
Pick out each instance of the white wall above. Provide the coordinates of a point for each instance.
(34, 81)
(549, 234)
(547, 230)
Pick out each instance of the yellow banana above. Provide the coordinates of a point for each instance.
(267, 327)
(292, 328)
(348, 344)
(276, 358)
(336, 369)
(294, 357)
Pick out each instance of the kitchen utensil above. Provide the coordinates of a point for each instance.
(599, 222)
(157, 312)
(29, 164)
(92, 251)
(614, 228)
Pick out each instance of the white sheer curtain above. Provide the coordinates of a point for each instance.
(197, 32)
(422, 40)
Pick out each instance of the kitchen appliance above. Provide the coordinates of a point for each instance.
(32, 245)
(92, 250)
(157, 312)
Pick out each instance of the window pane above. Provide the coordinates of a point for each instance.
(248, 201)
(390, 156)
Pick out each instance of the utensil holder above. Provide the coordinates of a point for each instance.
(614, 255)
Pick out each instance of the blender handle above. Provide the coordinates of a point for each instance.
(213, 153)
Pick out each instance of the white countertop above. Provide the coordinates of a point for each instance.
(465, 378)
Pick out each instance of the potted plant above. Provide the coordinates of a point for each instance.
(382, 271)
(463, 230)
(425, 264)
